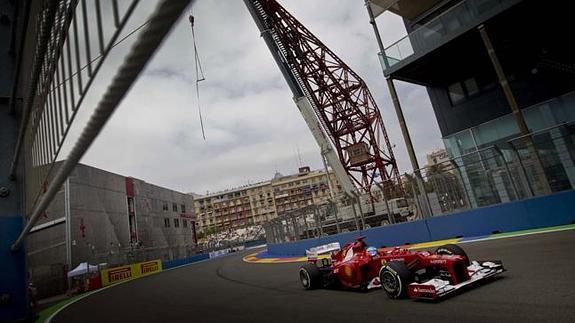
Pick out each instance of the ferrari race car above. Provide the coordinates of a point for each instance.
(400, 272)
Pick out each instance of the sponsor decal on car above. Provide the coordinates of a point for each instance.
(348, 271)
(429, 290)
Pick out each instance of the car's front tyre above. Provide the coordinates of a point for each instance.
(453, 249)
(394, 278)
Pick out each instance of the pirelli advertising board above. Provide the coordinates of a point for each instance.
(118, 274)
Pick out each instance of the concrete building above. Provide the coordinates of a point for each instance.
(113, 219)
(495, 71)
(233, 208)
(305, 188)
(261, 202)
(437, 157)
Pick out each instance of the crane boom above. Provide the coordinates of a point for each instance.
(327, 151)
(334, 101)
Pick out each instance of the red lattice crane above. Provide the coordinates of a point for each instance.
(340, 99)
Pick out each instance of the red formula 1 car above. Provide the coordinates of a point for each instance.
(400, 272)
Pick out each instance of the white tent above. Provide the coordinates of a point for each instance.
(82, 269)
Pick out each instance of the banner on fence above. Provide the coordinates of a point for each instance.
(219, 253)
(118, 274)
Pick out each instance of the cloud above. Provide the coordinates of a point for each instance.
(253, 128)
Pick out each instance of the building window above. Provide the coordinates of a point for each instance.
(185, 223)
(176, 223)
(167, 222)
(174, 207)
(461, 91)
(183, 207)
(164, 205)
(456, 94)
(471, 86)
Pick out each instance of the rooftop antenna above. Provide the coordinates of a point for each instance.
(299, 156)
(199, 74)
(297, 163)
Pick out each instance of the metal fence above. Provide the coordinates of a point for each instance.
(321, 220)
(511, 170)
(72, 41)
(519, 168)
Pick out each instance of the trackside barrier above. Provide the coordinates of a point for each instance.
(410, 232)
(203, 256)
(118, 274)
(537, 212)
(219, 253)
(254, 243)
(184, 261)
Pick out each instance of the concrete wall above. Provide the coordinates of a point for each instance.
(98, 210)
(551, 210)
(164, 242)
(47, 252)
(100, 227)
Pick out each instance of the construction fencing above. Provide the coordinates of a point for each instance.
(523, 167)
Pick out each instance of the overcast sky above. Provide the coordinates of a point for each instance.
(252, 126)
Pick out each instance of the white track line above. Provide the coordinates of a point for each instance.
(519, 234)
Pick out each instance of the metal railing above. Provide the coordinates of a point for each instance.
(507, 171)
(73, 43)
(492, 175)
(437, 31)
(66, 62)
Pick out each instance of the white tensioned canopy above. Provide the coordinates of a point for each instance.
(83, 268)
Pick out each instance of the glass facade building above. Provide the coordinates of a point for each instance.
(491, 144)
(446, 51)
(499, 131)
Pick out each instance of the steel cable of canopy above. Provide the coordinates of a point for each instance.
(199, 74)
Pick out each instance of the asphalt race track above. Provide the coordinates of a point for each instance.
(539, 287)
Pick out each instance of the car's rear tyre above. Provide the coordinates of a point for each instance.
(452, 249)
(394, 278)
(309, 276)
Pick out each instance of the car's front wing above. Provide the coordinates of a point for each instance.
(436, 288)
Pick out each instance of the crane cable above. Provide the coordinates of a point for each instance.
(199, 74)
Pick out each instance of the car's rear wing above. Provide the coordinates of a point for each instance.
(323, 249)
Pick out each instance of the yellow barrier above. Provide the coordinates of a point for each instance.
(117, 274)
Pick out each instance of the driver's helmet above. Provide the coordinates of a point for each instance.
(372, 251)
